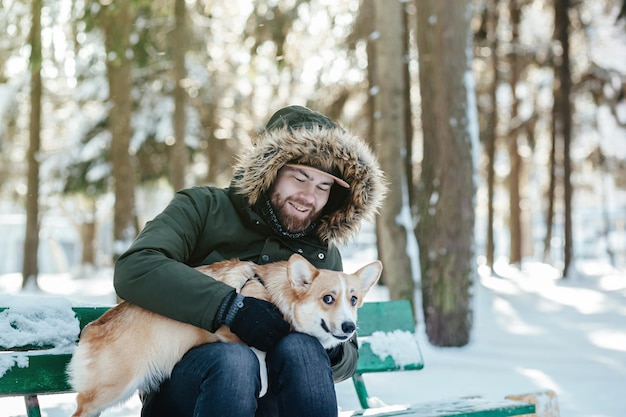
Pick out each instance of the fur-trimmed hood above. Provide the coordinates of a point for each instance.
(326, 147)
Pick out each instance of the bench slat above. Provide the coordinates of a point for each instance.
(371, 362)
(385, 316)
(458, 407)
(86, 315)
(44, 375)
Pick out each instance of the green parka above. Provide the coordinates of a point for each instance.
(203, 225)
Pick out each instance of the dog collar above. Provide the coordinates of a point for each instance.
(256, 278)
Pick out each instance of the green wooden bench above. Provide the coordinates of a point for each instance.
(45, 373)
(387, 343)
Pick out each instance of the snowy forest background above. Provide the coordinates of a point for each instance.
(517, 106)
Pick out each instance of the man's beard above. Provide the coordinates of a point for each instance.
(291, 223)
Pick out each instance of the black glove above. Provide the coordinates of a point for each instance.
(335, 354)
(257, 323)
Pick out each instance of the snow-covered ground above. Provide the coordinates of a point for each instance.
(532, 332)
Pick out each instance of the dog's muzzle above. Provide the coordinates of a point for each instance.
(347, 327)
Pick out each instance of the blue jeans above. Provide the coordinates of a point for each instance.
(222, 379)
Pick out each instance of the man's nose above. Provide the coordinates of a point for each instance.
(307, 193)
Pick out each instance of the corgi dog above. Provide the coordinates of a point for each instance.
(129, 348)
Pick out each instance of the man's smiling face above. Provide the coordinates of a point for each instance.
(298, 196)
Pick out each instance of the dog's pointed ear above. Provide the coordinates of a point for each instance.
(368, 275)
(300, 271)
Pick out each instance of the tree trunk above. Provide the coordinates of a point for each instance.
(446, 187)
(117, 31)
(408, 112)
(547, 242)
(88, 234)
(178, 152)
(491, 130)
(30, 268)
(390, 138)
(367, 15)
(606, 210)
(515, 160)
(219, 153)
(561, 27)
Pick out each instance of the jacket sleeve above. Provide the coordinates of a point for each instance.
(346, 366)
(153, 273)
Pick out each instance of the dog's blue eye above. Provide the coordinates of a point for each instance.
(354, 300)
(329, 299)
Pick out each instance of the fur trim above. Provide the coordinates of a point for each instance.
(322, 147)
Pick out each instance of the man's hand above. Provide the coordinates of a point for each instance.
(257, 323)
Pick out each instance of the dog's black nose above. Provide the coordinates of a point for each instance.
(348, 327)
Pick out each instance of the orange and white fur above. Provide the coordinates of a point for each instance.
(130, 348)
